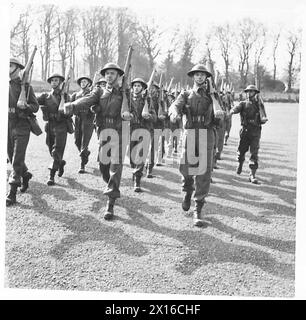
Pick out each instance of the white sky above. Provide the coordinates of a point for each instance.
(289, 14)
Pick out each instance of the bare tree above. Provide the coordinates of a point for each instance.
(225, 35)
(66, 29)
(91, 37)
(275, 46)
(185, 62)
(259, 47)
(20, 35)
(106, 36)
(47, 27)
(293, 44)
(148, 36)
(246, 36)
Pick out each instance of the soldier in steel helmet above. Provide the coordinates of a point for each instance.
(250, 132)
(197, 109)
(139, 121)
(84, 122)
(18, 131)
(57, 125)
(108, 103)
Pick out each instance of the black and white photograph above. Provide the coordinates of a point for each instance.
(153, 150)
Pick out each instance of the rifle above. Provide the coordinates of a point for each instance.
(95, 79)
(262, 111)
(161, 110)
(65, 90)
(170, 85)
(26, 80)
(218, 111)
(145, 111)
(125, 110)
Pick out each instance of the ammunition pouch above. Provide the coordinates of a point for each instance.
(34, 126)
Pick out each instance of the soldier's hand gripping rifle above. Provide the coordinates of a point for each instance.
(218, 111)
(161, 103)
(64, 91)
(125, 110)
(25, 81)
(145, 111)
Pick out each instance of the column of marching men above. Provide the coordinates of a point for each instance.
(98, 106)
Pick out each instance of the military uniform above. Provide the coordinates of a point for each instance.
(199, 116)
(108, 103)
(137, 103)
(18, 135)
(57, 126)
(250, 132)
(84, 125)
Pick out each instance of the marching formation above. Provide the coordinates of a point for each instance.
(148, 121)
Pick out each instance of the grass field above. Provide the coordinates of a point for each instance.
(56, 237)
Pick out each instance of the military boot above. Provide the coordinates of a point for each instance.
(149, 172)
(186, 201)
(61, 168)
(239, 168)
(25, 181)
(252, 177)
(11, 196)
(225, 141)
(137, 184)
(82, 167)
(197, 219)
(109, 213)
(51, 182)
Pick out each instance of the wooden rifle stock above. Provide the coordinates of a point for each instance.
(218, 111)
(125, 110)
(262, 111)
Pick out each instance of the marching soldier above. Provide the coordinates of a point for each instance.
(137, 103)
(18, 131)
(84, 122)
(196, 105)
(108, 103)
(250, 132)
(57, 125)
(101, 82)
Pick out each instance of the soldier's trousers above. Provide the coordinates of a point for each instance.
(228, 125)
(17, 142)
(249, 140)
(194, 178)
(56, 141)
(110, 164)
(220, 137)
(83, 132)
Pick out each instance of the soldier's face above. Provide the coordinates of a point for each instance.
(55, 82)
(84, 83)
(199, 77)
(111, 76)
(14, 70)
(103, 84)
(251, 94)
(137, 87)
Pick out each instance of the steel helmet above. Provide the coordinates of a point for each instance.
(111, 65)
(251, 87)
(84, 77)
(140, 80)
(199, 68)
(17, 62)
(55, 75)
